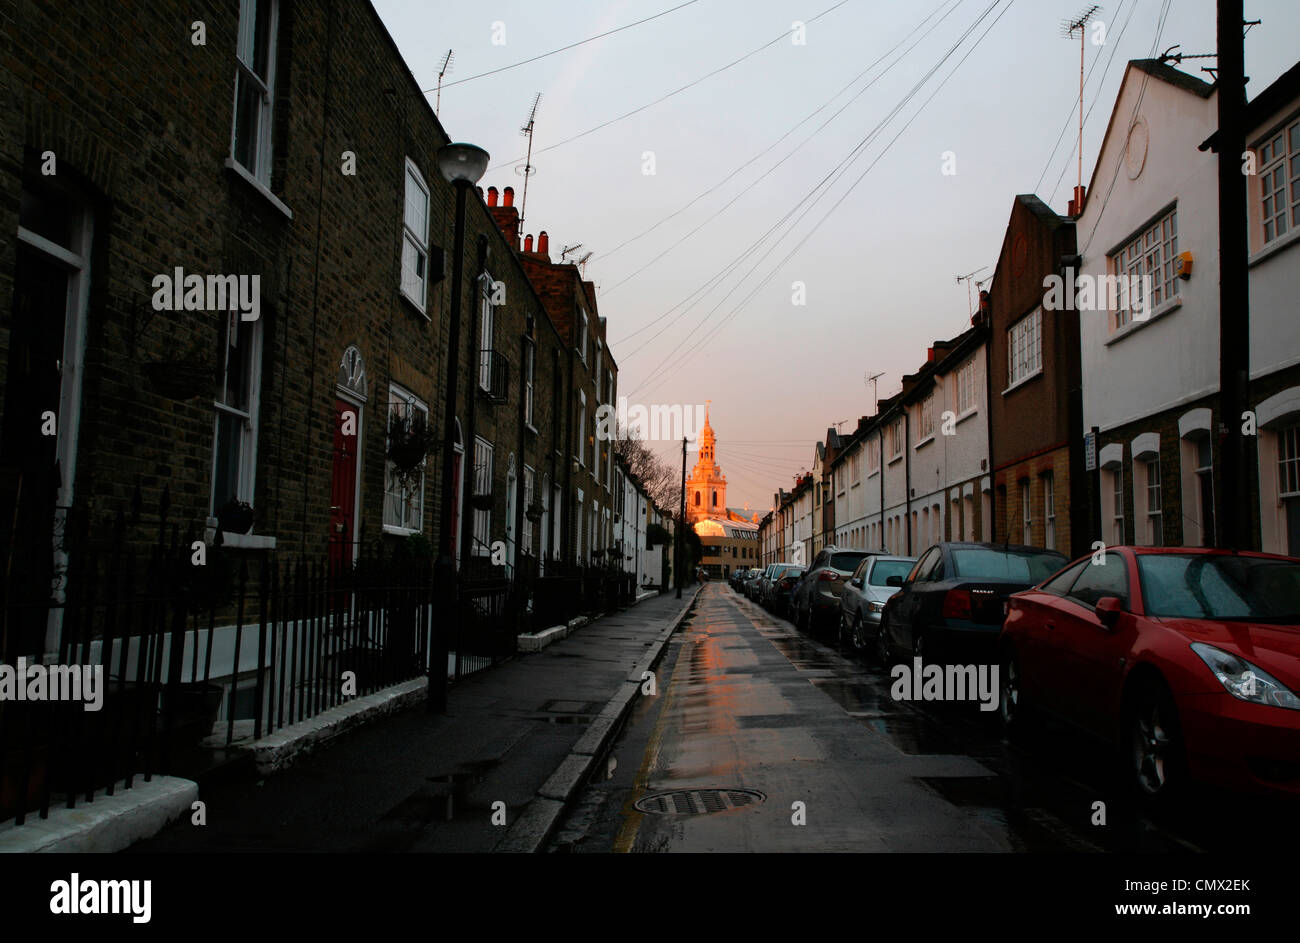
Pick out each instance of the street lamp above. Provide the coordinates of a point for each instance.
(462, 165)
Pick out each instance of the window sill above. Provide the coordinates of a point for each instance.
(248, 542)
(1023, 380)
(973, 411)
(414, 303)
(923, 442)
(1173, 304)
(263, 189)
(397, 531)
(1274, 247)
(895, 459)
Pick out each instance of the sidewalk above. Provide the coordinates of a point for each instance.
(525, 734)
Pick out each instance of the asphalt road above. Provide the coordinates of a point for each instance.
(774, 741)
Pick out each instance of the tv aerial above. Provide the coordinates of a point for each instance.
(446, 67)
(527, 169)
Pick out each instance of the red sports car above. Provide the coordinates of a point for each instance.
(1187, 659)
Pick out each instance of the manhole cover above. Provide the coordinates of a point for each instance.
(698, 801)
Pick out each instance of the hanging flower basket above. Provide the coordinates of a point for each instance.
(534, 512)
(481, 502)
(409, 441)
(235, 517)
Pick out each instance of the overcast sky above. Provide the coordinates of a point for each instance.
(879, 272)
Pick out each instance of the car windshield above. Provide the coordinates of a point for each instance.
(884, 569)
(846, 562)
(1210, 586)
(991, 563)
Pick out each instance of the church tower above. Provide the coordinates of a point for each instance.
(706, 489)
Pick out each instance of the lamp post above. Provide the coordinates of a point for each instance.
(462, 165)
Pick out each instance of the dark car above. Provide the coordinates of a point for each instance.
(1187, 658)
(863, 598)
(779, 587)
(754, 585)
(816, 600)
(951, 604)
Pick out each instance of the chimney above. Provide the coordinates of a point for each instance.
(543, 244)
(528, 244)
(508, 196)
(505, 215)
(1076, 202)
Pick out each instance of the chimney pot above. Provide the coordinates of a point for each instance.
(508, 196)
(543, 242)
(492, 196)
(528, 243)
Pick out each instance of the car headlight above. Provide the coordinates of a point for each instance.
(875, 607)
(1245, 681)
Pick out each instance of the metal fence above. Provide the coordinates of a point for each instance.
(198, 649)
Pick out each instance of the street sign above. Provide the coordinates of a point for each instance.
(1090, 451)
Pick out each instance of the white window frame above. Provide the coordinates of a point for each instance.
(487, 318)
(925, 419)
(407, 522)
(484, 457)
(245, 489)
(1025, 348)
(530, 373)
(582, 338)
(1148, 261)
(1276, 155)
(965, 392)
(260, 150)
(582, 428)
(415, 237)
(1154, 509)
(530, 485)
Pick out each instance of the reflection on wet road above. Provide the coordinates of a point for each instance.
(832, 763)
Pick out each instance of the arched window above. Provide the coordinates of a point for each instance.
(697, 499)
(715, 499)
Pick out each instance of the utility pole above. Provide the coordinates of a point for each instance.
(1233, 519)
(681, 526)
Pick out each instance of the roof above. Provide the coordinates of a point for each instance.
(1266, 103)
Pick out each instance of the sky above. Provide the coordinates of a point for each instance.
(788, 208)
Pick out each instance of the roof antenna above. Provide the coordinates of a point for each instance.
(446, 67)
(968, 278)
(527, 170)
(1068, 27)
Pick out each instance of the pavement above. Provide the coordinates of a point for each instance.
(493, 773)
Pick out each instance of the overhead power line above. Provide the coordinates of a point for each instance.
(677, 91)
(582, 42)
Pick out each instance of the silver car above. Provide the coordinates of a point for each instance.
(864, 595)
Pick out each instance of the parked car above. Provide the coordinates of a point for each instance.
(779, 587)
(816, 600)
(754, 584)
(738, 577)
(1187, 659)
(863, 598)
(951, 603)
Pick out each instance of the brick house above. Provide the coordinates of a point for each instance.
(1035, 398)
(288, 142)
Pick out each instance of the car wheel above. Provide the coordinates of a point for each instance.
(884, 651)
(1154, 740)
(1011, 698)
(859, 636)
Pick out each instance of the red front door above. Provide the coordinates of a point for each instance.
(347, 420)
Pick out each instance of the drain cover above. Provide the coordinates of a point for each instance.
(698, 801)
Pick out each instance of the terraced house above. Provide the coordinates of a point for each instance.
(286, 148)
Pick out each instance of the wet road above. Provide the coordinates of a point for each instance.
(762, 739)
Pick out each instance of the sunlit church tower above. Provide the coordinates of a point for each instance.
(706, 489)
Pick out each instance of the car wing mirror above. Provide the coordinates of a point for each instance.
(893, 580)
(1108, 610)
(856, 582)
